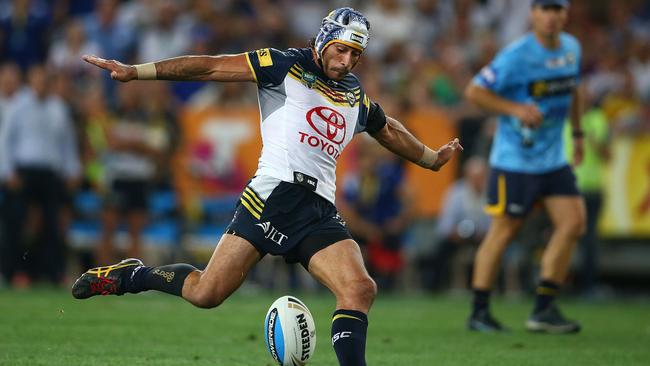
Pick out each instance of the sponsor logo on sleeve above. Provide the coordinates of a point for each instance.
(264, 56)
(488, 75)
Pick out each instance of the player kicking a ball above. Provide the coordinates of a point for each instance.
(311, 106)
(533, 85)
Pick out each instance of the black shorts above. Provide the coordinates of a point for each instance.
(515, 194)
(128, 195)
(294, 222)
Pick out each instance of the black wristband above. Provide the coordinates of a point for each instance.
(578, 134)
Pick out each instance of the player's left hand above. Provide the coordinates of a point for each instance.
(445, 153)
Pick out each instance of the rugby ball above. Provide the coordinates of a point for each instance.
(290, 332)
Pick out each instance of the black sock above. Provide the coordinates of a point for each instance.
(169, 278)
(481, 301)
(546, 293)
(349, 329)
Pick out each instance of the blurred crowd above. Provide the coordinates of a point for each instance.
(66, 127)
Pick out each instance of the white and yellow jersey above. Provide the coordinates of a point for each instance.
(306, 120)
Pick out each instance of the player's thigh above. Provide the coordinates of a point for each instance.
(567, 213)
(563, 201)
(231, 261)
(505, 226)
(340, 268)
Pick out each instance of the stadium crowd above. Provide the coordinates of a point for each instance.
(422, 54)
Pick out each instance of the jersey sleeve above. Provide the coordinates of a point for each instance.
(499, 74)
(372, 117)
(270, 66)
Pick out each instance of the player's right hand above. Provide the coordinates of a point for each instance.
(119, 71)
(529, 115)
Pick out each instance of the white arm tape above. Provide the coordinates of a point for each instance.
(428, 159)
(146, 71)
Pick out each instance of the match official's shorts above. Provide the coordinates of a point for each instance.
(515, 194)
(293, 222)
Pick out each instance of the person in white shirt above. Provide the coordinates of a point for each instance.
(38, 161)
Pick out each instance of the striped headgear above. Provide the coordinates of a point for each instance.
(346, 26)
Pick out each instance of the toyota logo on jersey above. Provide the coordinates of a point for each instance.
(328, 123)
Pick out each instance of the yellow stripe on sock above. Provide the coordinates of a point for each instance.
(339, 316)
(546, 291)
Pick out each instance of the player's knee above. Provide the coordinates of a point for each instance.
(574, 227)
(580, 228)
(361, 292)
(369, 289)
(206, 299)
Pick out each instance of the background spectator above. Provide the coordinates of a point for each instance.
(462, 225)
(39, 164)
(136, 141)
(378, 208)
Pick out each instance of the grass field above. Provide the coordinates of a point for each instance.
(46, 327)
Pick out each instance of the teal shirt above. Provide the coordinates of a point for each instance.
(526, 72)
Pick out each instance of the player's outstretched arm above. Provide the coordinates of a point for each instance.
(183, 68)
(396, 138)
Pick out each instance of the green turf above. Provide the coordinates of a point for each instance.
(50, 328)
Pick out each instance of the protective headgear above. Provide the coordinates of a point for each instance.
(346, 26)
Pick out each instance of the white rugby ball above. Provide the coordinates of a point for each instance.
(290, 332)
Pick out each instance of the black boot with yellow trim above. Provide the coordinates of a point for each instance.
(109, 280)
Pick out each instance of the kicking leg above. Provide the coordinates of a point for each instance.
(340, 268)
(232, 259)
(230, 263)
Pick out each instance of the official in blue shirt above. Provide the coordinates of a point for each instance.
(533, 84)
